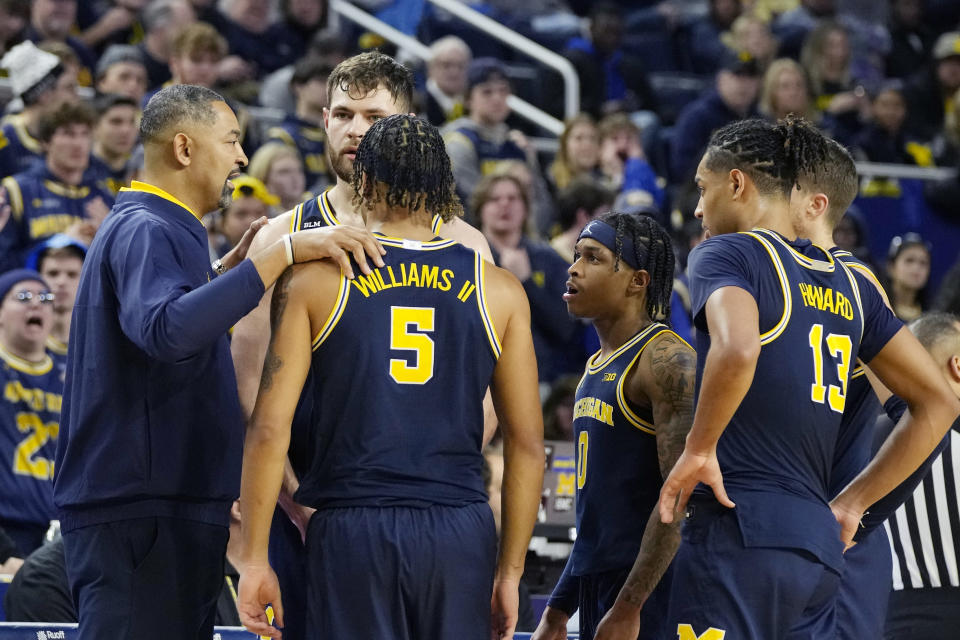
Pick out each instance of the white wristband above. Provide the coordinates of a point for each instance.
(288, 247)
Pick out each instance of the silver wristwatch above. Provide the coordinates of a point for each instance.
(219, 267)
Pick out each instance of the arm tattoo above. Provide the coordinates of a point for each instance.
(278, 304)
(672, 368)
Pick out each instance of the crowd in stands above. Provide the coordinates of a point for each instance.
(656, 78)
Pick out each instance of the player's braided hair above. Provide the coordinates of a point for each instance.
(653, 253)
(406, 154)
(774, 155)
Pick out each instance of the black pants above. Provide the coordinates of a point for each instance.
(146, 578)
(26, 535)
(924, 614)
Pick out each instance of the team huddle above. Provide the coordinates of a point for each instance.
(719, 489)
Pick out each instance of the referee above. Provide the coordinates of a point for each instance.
(924, 532)
(149, 452)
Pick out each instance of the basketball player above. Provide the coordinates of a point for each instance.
(780, 324)
(403, 543)
(361, 90)
(634, 407)
(816, 207)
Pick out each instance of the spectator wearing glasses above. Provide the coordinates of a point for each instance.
(29, 408)
(59, 261)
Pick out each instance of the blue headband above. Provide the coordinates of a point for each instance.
(606, 235)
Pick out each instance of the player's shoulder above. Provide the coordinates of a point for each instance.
(312, 281)
(728, 247)
(466, 234)
(501, 285)
(275, 229)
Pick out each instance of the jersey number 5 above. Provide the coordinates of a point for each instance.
(839, 346)
(403, 338)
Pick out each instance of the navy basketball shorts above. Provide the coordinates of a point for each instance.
(599, 591)
(146, 578)
(288, 557)
(722, 590)
(865, 588)
(403, 573)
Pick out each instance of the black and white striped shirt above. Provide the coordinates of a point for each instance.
(924, 532)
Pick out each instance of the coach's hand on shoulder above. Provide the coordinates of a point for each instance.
(691, 469)
(338, 243)
(258, 588)
(553, 625)
(236, 255)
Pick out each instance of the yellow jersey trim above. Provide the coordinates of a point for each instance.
(56, 346)
(326, 209)
(859, 371)
(856, 294)
(343, 296)
(14, 197)
(295, 218)
(436, 224)
(628, 413)
(413, 245)
(25, 366)
(281, 134)
(66, 190)
(867, 272)
(28, 141)
(595, 367)
(143, 187)
(780, 327)
(827, 266)
(492, 337)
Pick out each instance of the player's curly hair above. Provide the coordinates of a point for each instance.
(653, 253)
(774, 155)
(407, 154)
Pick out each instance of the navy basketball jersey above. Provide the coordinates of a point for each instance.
(307, 138)
(19, 151)
(855, 438)
(312, 214)
(618, 471)
(318, 212)
(399, 371)
(29, 426)
(41, 206)
(490, 154)
(777, 452)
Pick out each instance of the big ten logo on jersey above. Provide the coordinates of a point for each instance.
(686, 632)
